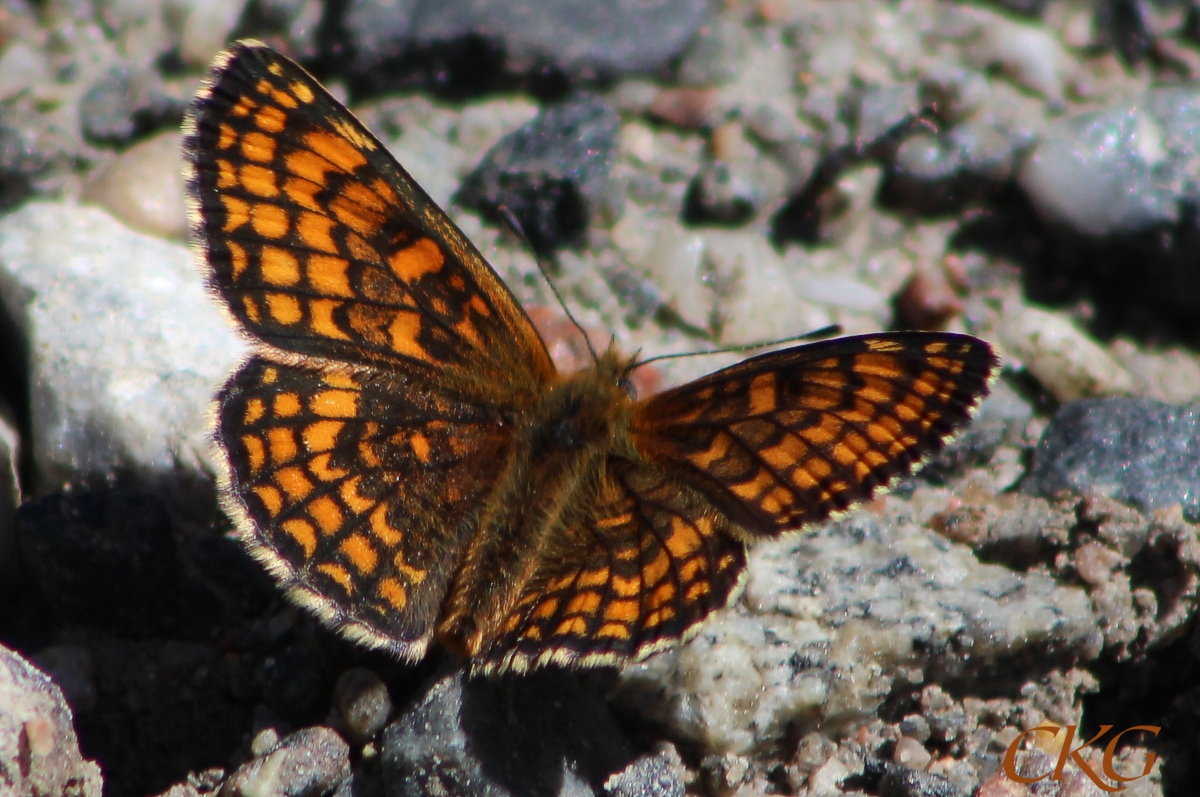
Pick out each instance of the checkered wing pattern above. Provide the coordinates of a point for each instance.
(322, 245)
(643, 571)
(794, 436)
(358, 492)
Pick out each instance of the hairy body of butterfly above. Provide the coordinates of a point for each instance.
(402, 454)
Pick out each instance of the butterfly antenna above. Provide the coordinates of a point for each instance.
(515, 227)
(816, 334)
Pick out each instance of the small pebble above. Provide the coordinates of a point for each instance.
(22, 66)
(1095, 563)
(144, 187)
(826, 780)
(264, 742)
(928, 300)
(1061, 356)
(814, 750)
(916, 727)
(207, 28)
(1002, 786)
(1029, 56)
(307, 763)
(685, 107)
(910, 753)
(362, 701)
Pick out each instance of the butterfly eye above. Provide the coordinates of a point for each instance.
(626, 384)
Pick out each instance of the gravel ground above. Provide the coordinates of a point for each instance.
(702, 173)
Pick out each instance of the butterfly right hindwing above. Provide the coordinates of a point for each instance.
(649, 565)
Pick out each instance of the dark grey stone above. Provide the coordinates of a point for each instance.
(938, 174)
(606, 38)
(36, 153)
(1139, 451)
(552, 173)
(537, 734)
(125, 103)
(900, 781)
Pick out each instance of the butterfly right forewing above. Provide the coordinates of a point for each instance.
(793, 436)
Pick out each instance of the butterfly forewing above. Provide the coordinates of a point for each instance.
(321, 244)
(792, 436)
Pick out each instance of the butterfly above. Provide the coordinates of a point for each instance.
(403, 456)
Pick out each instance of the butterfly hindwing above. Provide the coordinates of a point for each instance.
(321, 244)
(648, 564)
(358, 491)
(793, 436)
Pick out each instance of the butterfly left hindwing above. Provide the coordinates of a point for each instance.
(356, 492)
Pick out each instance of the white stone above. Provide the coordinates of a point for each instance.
(832, 617)
(126, 347)
(144, 187)
(1028, 55)
(1061, 356)
(757, 296)
(22, 66)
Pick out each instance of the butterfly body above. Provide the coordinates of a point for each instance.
(403, 456)
(559, 448)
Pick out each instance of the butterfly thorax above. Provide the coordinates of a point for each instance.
(559, 448)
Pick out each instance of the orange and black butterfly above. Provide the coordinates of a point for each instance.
(402, 454)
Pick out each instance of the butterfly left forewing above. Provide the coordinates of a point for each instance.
(321, 244)
(793, 436)
(645, 568)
